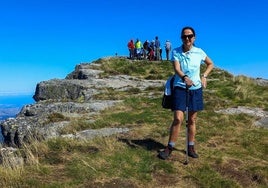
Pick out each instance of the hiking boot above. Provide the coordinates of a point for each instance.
(191, 152)
(166, 153)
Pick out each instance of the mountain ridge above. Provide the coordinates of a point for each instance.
(77, 91)
(123, 98)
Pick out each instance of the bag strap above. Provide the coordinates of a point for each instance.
(172, 83)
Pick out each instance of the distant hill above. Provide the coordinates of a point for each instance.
(10, 105)
(6, 112)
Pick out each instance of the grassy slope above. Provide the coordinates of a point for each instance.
(233, 152)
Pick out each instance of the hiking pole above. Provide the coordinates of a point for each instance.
(186, 129)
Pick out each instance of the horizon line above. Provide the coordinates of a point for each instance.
(15, 93)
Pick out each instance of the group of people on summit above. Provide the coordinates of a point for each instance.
(148, 50)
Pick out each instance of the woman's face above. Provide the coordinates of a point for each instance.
(188, 37)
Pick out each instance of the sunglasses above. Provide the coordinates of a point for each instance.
(187, 36)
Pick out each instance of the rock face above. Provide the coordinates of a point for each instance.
(59, 90)
(85, 82)
(257, 112)
(69, 97)
(262, 82)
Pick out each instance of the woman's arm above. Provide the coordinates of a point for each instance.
(179, 72)
(209, 68)
(177, 68)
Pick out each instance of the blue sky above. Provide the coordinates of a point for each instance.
(45, 39)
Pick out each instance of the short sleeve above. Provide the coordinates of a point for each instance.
(175, 55)
(203, 55)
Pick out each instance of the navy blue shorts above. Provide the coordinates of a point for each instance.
(195, 100)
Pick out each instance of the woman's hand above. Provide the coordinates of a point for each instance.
(188, 82)
(204, 81)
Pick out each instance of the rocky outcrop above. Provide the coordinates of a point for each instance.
(33, 120)
(262, 82)
(257, 112)
(85, 82)
(72, 97)
(59, 90)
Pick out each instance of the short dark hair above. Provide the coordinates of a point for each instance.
(187, 27)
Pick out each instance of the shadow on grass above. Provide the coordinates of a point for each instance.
(148, 144)
(152, 145)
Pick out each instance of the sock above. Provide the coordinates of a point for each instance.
(190, 143)
(172, 144)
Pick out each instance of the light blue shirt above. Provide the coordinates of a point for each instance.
(190, 63)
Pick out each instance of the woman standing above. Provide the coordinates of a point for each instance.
(186, 62)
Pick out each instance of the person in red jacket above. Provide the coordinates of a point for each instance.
(131, 49)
